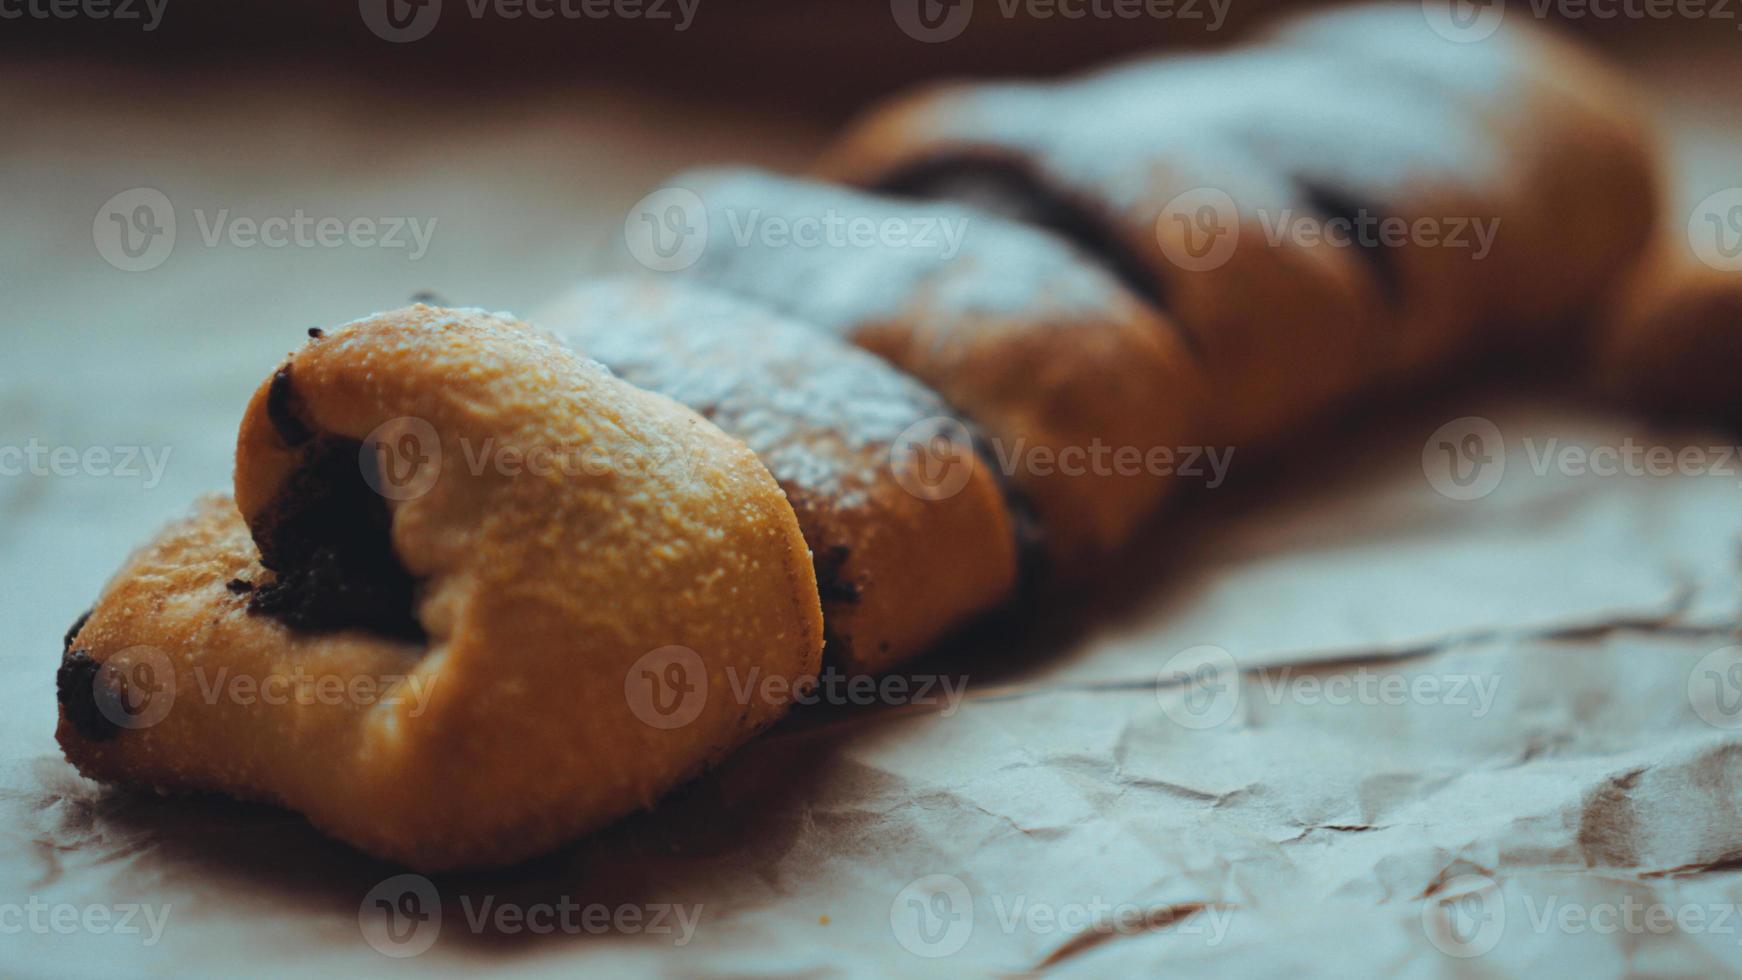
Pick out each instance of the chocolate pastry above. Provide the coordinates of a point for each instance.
(909, 531)
(581, 576)
(1192, 177)
(1079, 386)
(567, 593)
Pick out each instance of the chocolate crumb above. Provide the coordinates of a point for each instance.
(75, 687)
(238, 586)
(284, 408)
(73, 630)
(316, 333)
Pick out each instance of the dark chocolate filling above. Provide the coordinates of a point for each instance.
(1010, 190)
(830, 564)
(1336, 204)
(285, 411)
(75, 687)
(328, 536)
(1033, 565)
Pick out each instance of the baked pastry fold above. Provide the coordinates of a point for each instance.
(908, 526)
(579, 630)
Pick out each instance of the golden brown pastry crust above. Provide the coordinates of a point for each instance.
(1364, 109)
(1574, 174)
(1058, 364)
(1285, 330)
(1671, 342)
(539, 590)
(897, 566)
